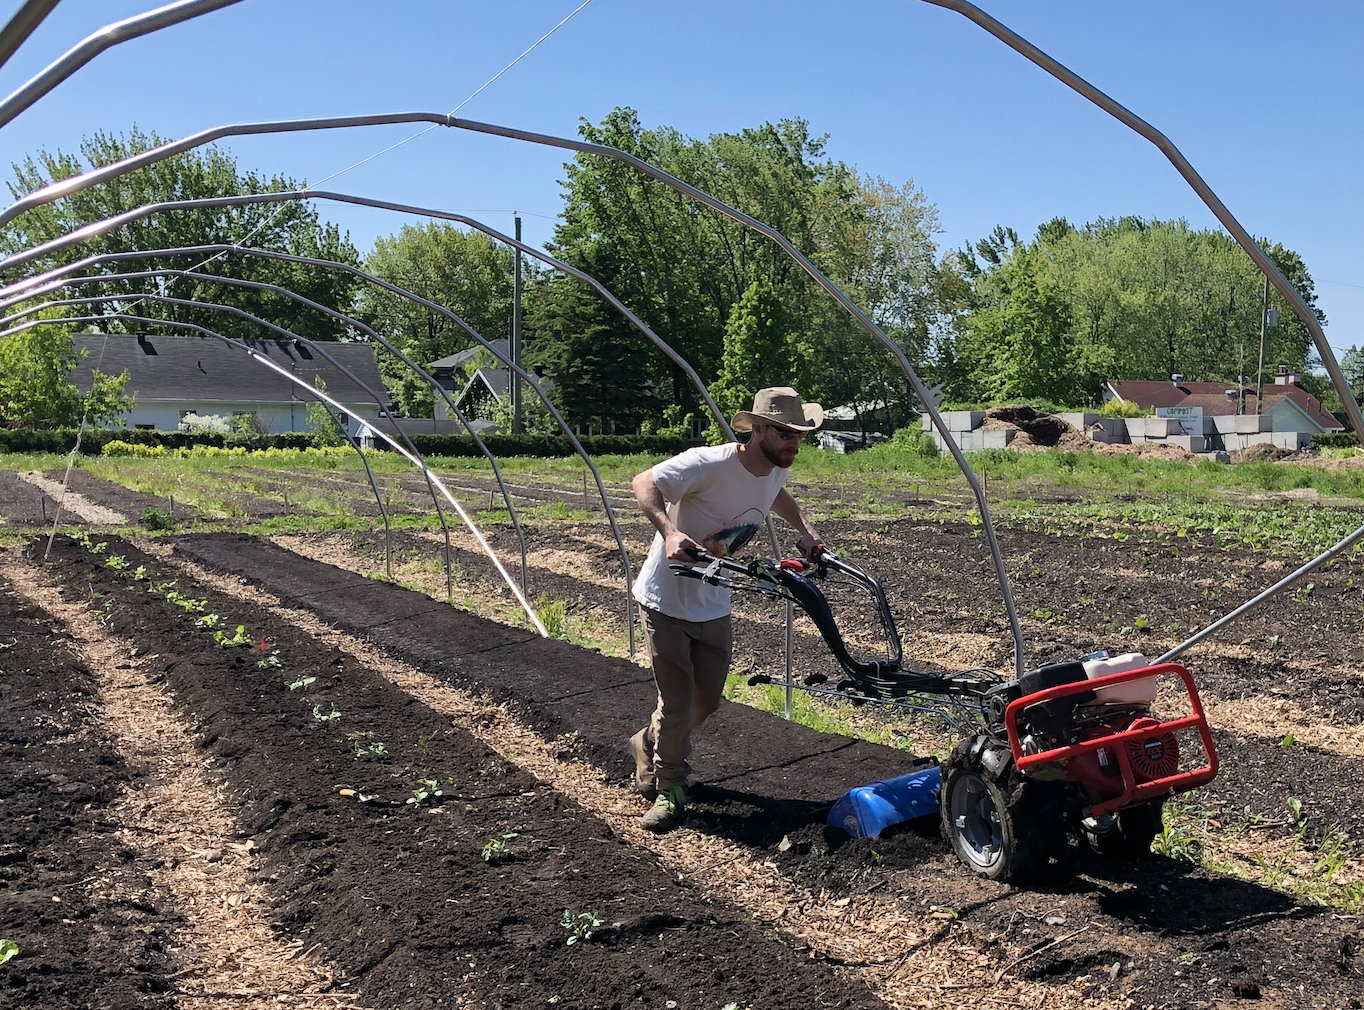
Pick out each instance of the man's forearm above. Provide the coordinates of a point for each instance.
(652, 503)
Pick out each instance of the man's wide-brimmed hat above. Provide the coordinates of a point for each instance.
(781, 407)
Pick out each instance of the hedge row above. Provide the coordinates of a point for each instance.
(94, 439)
(1335, 440)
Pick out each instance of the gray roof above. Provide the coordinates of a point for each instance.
(205, 369)
(457, 360)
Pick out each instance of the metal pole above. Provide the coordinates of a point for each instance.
(21, 25)
(1273, 590)
(790, 616)
(517, 425)
(1072, 80)
(1260, 373)
(93, 45)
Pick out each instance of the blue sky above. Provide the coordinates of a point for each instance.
(1264, 99)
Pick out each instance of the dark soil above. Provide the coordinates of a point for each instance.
(22, 504)
(398, 893)
(1181, 935)
(121, 499)
(91, 931)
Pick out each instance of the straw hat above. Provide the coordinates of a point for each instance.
(781, 407)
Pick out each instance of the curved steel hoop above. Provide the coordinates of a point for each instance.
(319, 396)
(52, 280)
(93, 45)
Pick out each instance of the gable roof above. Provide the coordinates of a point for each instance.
(457, 360)
(204, 369)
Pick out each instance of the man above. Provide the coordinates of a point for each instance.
(714, 499)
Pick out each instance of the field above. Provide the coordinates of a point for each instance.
(244, 765)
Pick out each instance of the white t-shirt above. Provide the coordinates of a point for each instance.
(714, 500)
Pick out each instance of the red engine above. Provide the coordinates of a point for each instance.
(1130, 760)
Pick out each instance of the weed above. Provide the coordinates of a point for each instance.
(1302, 594)
(300, 684)
(550, 610)
(270, 662)
(424, 746)
(331, 716)
(157, 519)
(1177, 841)
(241, 638)
(581, 926)
(426, 788)
(496, 849)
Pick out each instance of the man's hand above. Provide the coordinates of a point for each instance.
(676, 544)
(811, 548)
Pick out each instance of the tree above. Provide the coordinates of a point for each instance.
(760, 350)
(467, 273)
(35, 386)
(292, 227)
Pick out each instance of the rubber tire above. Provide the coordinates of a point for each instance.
(1023, 814)
(1126, 835)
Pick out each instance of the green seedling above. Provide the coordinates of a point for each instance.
(300, 684)
(376, 748)
(1287, 741)
(117, 561)
(8, 949)
(1295, 814)
(496, 849)
(207, 621)
(99, 547)
(1190, 959)
(331, 716)
(241, 638)
(157, 519)
(426, 789)
(1142, 623)
(581, 926)
(270, 662)
(140, 573)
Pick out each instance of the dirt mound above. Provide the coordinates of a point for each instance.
(1255, 453)
(1036, 430)
(1147, 450)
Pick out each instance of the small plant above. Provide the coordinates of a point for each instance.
(1295, 814)
(116, 561)
(99, 547)
(375, 748)
(240, 639)
(550, 610)
(1042, 615)
(300, 684)
(581, 926)
(270, 662)
(157, 519)
(496, 849)
(331, 716)
(1287, 741)
(207, 621)
(1142, 623)
(426, 788)
(8, 949)
(1190, 959)
(140, 573)
(1176, 841)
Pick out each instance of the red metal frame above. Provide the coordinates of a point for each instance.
(1133, 792)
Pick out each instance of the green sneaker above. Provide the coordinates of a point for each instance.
(666, 813)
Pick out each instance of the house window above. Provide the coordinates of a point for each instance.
(145, 427)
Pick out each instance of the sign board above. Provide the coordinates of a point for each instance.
(1190, 418)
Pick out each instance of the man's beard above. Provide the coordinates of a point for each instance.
(773, 458)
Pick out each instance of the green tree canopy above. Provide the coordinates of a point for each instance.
(467, 273)
(36, 390)
(292, 227)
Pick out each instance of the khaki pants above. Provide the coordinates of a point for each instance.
(690, 661)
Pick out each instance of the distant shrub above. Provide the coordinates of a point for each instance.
(118, 447)
(1336, 440)
(917, 441)
(1123, 408)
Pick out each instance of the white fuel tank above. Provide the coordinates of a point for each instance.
(1135, 692)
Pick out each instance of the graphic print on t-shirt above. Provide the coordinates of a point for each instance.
(732, 536)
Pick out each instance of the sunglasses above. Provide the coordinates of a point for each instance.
(788, 436)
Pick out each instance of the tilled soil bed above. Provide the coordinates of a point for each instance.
(1178, 935)
(432, 871)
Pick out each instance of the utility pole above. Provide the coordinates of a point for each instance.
(518, 426)
(1264, 316)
